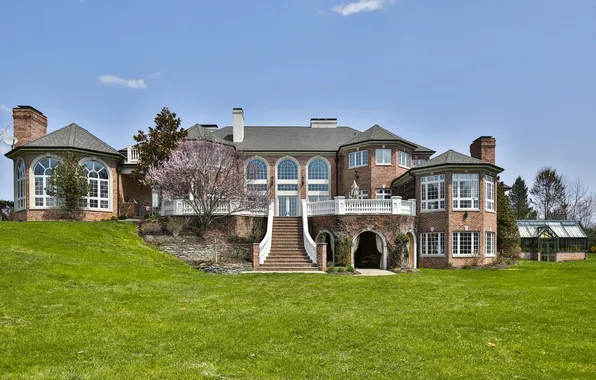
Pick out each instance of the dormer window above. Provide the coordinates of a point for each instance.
(404, 159)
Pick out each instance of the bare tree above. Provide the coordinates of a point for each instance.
(548, 194)
(209, 177)
(581, 204)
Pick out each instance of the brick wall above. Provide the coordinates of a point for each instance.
(571, 256)
(131, 190)
(29, 124)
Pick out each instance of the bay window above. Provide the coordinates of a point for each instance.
(489, 193)
(465, 191)
(432, 192)
(19, 200)
(357, 159)
(404, 159)
(383, 156)
(490, 244)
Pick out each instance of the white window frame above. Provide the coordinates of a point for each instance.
(257, 182)
(425, 248)
(20, 183)
(489, 193)
(318, 194)
(362, 155)
(383, 193)
(363, 194)
(385, 155)
(100, 181)
(45, 182)
(489, 244)
(425, 201)
(474, 244)
(474, 197)
(403, 159)
(418, 161)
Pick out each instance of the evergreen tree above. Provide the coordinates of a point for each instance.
(518, 199)
(155, 146)
(508, 240)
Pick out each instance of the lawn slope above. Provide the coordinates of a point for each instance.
(91, 300)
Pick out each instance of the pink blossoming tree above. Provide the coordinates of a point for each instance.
(209, 177)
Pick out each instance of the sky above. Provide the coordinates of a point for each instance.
(439, 73)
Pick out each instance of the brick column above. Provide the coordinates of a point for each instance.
(322, 256)
(255, 256)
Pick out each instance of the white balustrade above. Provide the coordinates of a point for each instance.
(342, 206)
(265, 245)
(309, 244)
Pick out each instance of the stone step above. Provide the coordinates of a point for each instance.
(283, 269)
(289, 249)
(293, 259)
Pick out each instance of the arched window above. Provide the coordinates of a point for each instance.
(20, 186)
(99, 185)
(256, 175)
(287, 169)
(41, 174)
(318, 180)
(318, 169)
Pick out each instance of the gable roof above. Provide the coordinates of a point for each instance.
(452, 157)
(199, 132)
(289, 139)
(72, 136)
(561, 228)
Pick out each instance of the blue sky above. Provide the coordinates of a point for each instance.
(439, 73)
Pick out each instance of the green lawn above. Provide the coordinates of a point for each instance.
(93, 301)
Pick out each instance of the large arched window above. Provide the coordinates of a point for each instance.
(41, 173)
(256, 175)
(318, 180)
(287, 169)
(99, 185)
(19, 189)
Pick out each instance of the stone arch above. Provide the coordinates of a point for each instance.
(361, 250)
(325, 236)
(412, 250)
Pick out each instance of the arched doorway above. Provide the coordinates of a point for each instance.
(369, 250)
(326, 237)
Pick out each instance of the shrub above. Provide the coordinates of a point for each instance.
(593, 249)
(150, 228)
(122, 217)
(175, 225)
(350, 269)
(341, 270)
(466, 267)
(508, 261)
(343, 250)
(331, 270)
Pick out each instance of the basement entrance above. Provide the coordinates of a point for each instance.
(368, 250)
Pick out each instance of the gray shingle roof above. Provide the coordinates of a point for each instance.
(198, 132)
(72, 136)
(562, 228)
(290, 139)
(451, 157)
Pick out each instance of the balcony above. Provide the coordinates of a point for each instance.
(132, 154)
(342, 206)
(171, 207)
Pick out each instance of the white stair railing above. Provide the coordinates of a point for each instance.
(265, 246)
(309, 244)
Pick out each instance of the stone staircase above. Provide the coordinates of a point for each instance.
(287, 247)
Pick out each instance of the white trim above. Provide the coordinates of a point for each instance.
(256, 181)
(424, 243)
(453, 254)
(286, 193)
(110, 185)
(424, 201)
(489, 183)
(409, 159)
(494, 243)
(473, 197)
(361, 153)
(318, 181)
(384, 163)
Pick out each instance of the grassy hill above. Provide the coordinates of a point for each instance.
(91, 300)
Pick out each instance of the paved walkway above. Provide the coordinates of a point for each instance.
(374, 272)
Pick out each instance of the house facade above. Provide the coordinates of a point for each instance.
(328, 182)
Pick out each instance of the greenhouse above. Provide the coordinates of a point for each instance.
(552, 240)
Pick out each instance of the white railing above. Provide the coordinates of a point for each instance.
(132, 154)
(265, 245)
(321, 208)
(343, 206)
(309, 244)
(181, 207)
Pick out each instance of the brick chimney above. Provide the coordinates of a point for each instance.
(483, 148)
(29, 124)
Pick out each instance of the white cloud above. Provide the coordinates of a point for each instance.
(155, 74)
(113, 80)
(359, 6)
(5, 108)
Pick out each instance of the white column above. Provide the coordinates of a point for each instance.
(340, 205)
(413, 206)
(396, 205)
